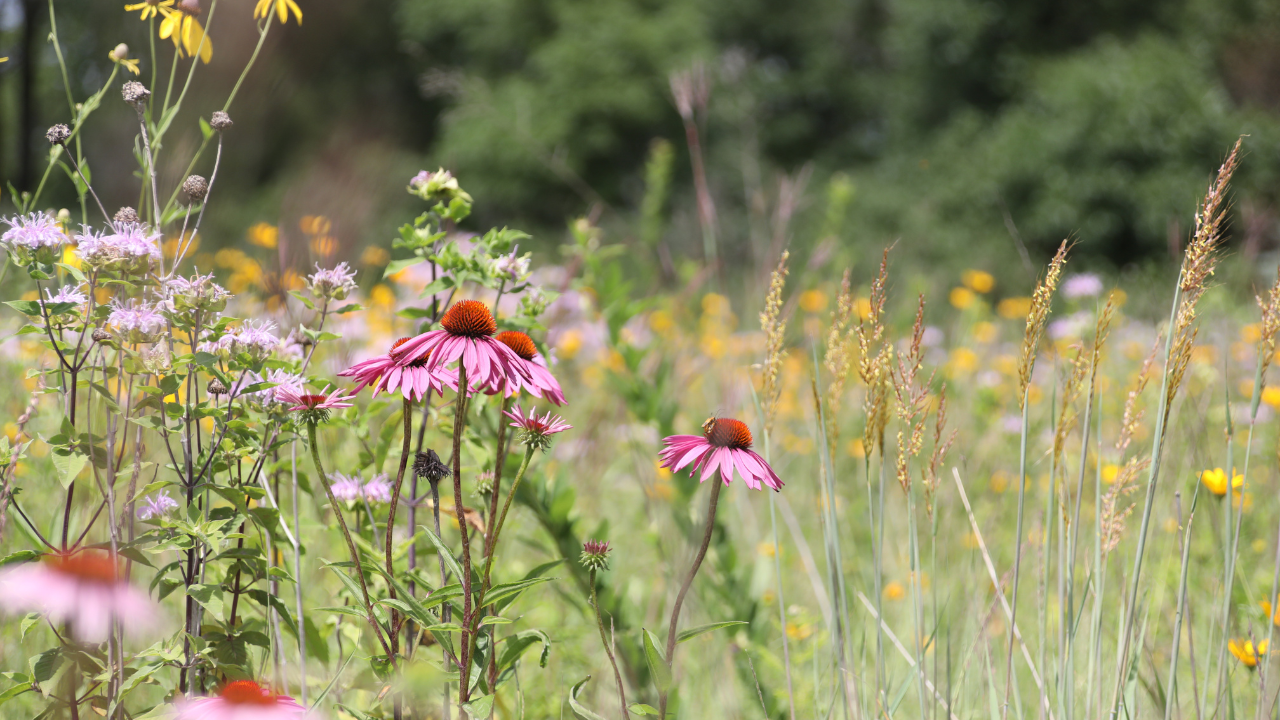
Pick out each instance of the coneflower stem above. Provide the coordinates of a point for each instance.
(391, 514)
(716, 484)
(459, 425)
(608, 650)
(351, 546)
(502, 518)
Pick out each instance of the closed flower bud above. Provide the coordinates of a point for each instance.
(220, 121)
(134, 93)
(216, 387)
(58, 134)
(595, 555)
(121, 52)
(127, 215)
(195, 187)
(190, 7)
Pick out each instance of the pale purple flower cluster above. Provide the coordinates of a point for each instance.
(33, 232)
(515, 269)
(131, 246)
(139, 322)
(257, 340)
(1082, 285)
(196, 293)
(156, 506)
(281, 378)
(67, 294)
(333, 283)
(349, 488)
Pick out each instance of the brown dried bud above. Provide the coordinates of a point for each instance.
(134, 92)
(190, 7)
(220, 121)
(216, 387)
(127, 215)
(100, 335)
(58, 134)
(195, 187)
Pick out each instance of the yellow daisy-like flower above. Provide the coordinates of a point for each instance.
(120, 56)
(281, 8)
(151, 8)
(1246, 652)
(187, 33)
(1216, 481)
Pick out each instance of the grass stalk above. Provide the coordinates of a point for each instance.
(1184, 537)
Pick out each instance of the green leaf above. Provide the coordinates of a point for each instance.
(657, 660)
(449, 560)
(577, 707)
(510, 591)
(692, 633)
(642, 709)
(480, 707)
(26, 307)
(68, 463)
(396, 266)
(210, 596)
(515, 645)
(20, 556)
(345, 610)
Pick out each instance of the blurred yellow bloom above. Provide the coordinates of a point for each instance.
(151, 8)
(999, 482)
(1110, 472)
(864, 308)
(812, 301)
(264, 235)
(962, 360)
(382, 296)
(315, 224)
(894, 591)
(714, 304)
(765, 549)
(855, 448)
(1216, 481)
(1014, 308)
(978, 281)
(961, 298)
(1205, 354)
(1246, 652)
(1251, 333)
(324, 245)
(264, 8)
(187, 34)
(985, 332)
(1267, 608)
(374, 255)
(569, 344)
(71, 257)
(1270, 396)
(799, 632)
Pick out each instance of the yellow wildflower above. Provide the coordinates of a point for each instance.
(315, 224)
(151, 8)
(1014, 308)
(1267, 608)
(188, 35)
(894, 591)
(1271, 396)
(1110, 472)
(120, 56)
(812, 301)
(264, 235)
(281, 8)
(374, 255)
(961, 298)
(985, 332)
(1216, 481)
(978, 281)
(1246, 652)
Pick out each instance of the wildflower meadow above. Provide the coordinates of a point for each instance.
(470, 472)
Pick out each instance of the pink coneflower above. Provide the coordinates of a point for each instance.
(314, 406)
(537, 431)
(541, 382)
(241, 700)
(83, 589)
(393, 371)
(724, 445)
(467, 336)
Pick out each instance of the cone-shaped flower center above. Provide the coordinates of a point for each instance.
(519, 343)
(247, 692)
(723, 432)
(94, 567)
(312, 400)
(420, 361)
(469, 318)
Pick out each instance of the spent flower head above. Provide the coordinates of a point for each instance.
(428, 466)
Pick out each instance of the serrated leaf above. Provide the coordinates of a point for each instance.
(657, 660)
(692, 633)
(577, 707)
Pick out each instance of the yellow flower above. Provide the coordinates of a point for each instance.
(962, 360)
(1271, 396)
(281, 8)
(264, 235)
(1110, 472)
(1014, 308)
(961, 298)
(187, 33)
(151, 8)
(985, 332)
(120, 56)
(894, 591)
(812, 301)
(978, 281)
(71, 257)
(1251, 333)
(1275, 617)
(1246, 652)
(374, 255)
(1216, 481)
(315, 224)
(324, 245)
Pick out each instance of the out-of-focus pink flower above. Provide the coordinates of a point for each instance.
(156, 506)
(467, 337)
(537, 431)
(83, 589)
(241, 700)
(1082, 285)
(724, 445)
(296, 399)
(393, 371)
(32, 232)
(541, 382)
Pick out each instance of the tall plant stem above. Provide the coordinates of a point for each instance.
(777, 571)
(502, 518)
(608, 648)
(1017, 552)
(297, 576)
(1068, 672)
(673, 625)
(391, 514)
(346, 534)
(459, 425)
(917, 612)
(1184, 536)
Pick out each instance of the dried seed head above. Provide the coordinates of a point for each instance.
(1270, 325)
(127, 215)
(839, 355)
(220, 121)
(195, 187)
(216, 387)
(1041, 301)
(58, 134)
(100, 335)
(134, 93)
(427, 465)
(775, 328)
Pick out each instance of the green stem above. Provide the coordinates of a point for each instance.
(1185, 537)
(608, 650)
(459, 425)
(1017, 553)
(351, 546)
(391, 514)
(502, 518)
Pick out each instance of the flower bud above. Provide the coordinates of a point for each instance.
(127, 215)
(595, 555)
(196, 188)
(220, 121)
(121, 52)
(58, 134)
